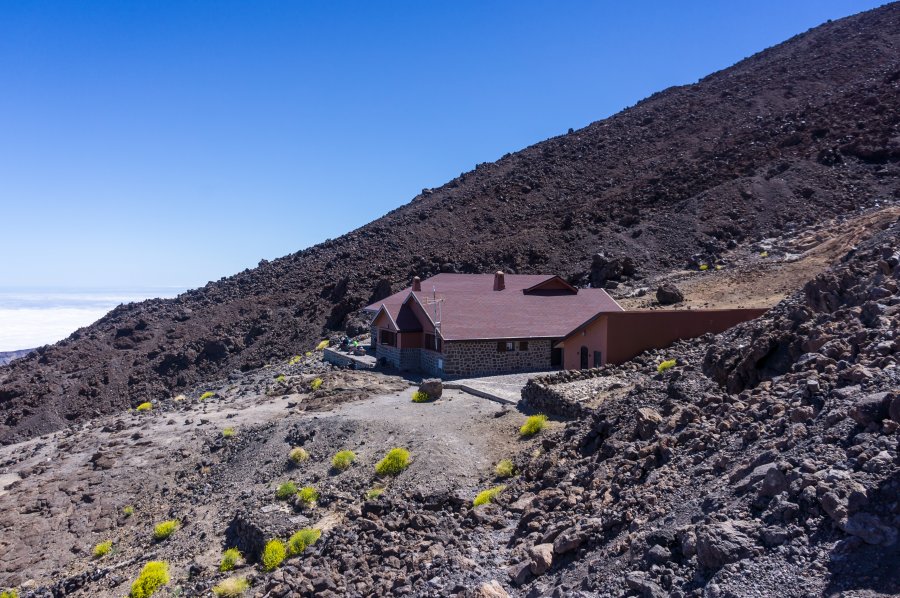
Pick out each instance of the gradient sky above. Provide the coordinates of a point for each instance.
(155, 143)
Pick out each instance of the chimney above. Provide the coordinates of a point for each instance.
(417, 283)
(499, 283)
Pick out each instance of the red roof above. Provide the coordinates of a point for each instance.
(471, 309)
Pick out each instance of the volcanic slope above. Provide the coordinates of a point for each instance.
(803, 131)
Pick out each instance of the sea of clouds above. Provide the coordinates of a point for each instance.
(31, 318)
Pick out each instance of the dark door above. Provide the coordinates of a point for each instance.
(556, 358)
(598, 361)
(584, 358)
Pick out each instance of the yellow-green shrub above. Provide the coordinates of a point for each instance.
(665, 365)
(153, 576)
(308, 353)
(373, 493)
(207, 395)
(295, 360)
(286, 490)
(533, 425)
(395, 461)
(322, 345)
(228, 432)
(128, 511)
(165, 529)
(704, 267)
(298, 455)
(273, 554)
(102, 549)
(316, 384)
(420, 396)
(147, 406)
(231, 587)
(505, 469)
(9, 594)
(486, 496)
(230, 559)
(307, 495)
(763, 254)
(302, 540)
(343, 460)
(280, 378)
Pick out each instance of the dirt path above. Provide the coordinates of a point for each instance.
(751, 279)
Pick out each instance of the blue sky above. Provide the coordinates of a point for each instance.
(152, 143)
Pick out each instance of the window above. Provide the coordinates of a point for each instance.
(523, 345)
(433, 343)
(597, 360)
(387, 338)
(506, 346)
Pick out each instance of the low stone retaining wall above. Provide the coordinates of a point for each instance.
(541, 394)
(343, 360)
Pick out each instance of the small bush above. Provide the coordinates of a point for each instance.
(231, 587)
(505, 469)
(144, 407)
(665, 365)
(374, 493)
(308, 353)
(102, 549)
(298, 455)
(343, 460)
(719, 267)
(308, 495)
(704, 267)
(228, 432)
(207, 395)
(316, 384)
(273, 554)
(763, 254)
(322, 345)
(533, 425)
(9, 594)
(302, 540)
(488, 496)
(165, 529)
(286, 490)
(153, 576)
(128, 511)
(420, 397)
(230, 559)
(295, 360)
(395, 461)
(280, 378)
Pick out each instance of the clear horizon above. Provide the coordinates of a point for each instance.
(173, 144)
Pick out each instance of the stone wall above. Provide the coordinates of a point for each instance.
(390, 355)
(541, 395)
(480, 358)
(428, 363)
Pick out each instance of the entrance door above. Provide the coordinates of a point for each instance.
(598, 359)
(556, 358)
(584, 358)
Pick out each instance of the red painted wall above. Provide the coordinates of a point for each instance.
(623, 335)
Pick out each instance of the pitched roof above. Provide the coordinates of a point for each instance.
(471, 308)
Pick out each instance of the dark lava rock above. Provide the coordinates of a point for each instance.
(669, 294)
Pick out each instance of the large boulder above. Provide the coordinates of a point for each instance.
(541, 558)
(607, 268)
(433, 387)
(669, 294)
(647, 420)
(722, 543)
